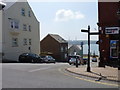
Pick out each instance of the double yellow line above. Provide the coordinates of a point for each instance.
(88, 80)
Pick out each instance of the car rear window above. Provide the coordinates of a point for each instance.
(74, 57)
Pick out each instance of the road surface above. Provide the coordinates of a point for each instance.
(21, 75)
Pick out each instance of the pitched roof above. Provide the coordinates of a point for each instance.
(58, 38)
(9, 3)
(1, 3)
(78, 47)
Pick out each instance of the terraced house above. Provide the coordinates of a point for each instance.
(20, 32)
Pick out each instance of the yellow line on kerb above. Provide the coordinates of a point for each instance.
(87, 79)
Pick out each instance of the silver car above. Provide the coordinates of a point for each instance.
(47, 59)
(94, 59)
(73, 61)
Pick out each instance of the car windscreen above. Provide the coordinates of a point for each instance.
(73, 59)
(42, 56)
(25, 54)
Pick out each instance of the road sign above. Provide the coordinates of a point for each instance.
(84, 30)
(112, 30)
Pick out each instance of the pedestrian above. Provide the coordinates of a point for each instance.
(76, 62)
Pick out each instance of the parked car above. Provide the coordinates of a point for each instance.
(47, 59)
(72, 59)
(29, 58)
(94, 59)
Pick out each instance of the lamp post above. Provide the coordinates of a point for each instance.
(88, 64)
(118, 14)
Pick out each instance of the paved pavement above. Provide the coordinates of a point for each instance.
(29, 75)
(107, 73)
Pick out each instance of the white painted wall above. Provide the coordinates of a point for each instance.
(14, 12)
(0, 35)
(0, 49)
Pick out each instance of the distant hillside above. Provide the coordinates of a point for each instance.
(78, 42)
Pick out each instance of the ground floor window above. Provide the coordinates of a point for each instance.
(65, 56)
(24, 41)
(30, 41)
(114, 46)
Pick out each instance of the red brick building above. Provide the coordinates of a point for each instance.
(56, 46)
(109, 29)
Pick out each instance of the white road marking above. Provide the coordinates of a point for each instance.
(39, 69)
(31, 64)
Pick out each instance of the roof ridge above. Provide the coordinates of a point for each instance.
(10, 3)
(58, 38)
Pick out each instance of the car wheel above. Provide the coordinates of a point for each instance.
(20, 61)
(32, 61)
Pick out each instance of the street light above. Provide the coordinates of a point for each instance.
(88, 64)
(118, 14)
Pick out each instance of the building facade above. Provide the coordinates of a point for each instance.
(75, 50)
(20, 32)
(109, 32)
(56, 45)
(2, 5)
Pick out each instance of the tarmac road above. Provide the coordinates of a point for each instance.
(21, 75)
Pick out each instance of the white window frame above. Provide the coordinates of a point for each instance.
(62, 49)
(29, 13)
(29, 28)
(65, 55)
(14, 24)
(30, 41)
(24, 27)
(14, 42)
(22, 11)
(24, 41)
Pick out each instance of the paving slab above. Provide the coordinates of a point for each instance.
(107, 73)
